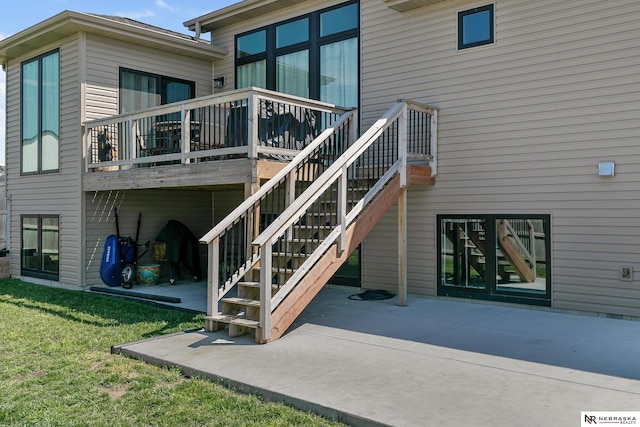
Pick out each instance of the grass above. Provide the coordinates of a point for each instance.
(56, 368)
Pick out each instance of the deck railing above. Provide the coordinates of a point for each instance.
(250, 123)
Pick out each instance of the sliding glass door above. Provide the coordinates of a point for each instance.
(140, 90)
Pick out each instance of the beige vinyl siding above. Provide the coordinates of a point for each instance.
(12, 154)
(51, 193)
(522, 127)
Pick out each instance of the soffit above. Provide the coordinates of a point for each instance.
(238, 12)
(68, 23)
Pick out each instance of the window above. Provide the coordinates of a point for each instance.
(495, 257)
(40, 246)
(475, 27)
(139, 90)
(312, 56)
(40, 114)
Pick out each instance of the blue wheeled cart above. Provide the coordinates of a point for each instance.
(120, 257)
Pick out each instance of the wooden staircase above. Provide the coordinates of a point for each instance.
(334, 192)
(241, 314)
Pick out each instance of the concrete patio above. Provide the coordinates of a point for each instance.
(433, 362)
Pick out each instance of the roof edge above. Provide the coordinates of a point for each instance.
(234, 13)
(69, 22)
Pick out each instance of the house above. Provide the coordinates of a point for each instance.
(507, 174)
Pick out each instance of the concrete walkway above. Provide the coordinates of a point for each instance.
(435, 362)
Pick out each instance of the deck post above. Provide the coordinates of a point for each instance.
(342, 209)
(402, 144)
(253, 222)
(353, 130)
(403, 121)
(214, 273)
(433, 139)
(87, 147)
(290, 196)
(253, 119)
(266, 254)
(133, 134)
(402, 249)
(185, 134)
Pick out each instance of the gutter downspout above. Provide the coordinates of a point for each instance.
(198, 31)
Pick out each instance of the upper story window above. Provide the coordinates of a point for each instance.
(40, 113)
(313, 56)
(476, 27)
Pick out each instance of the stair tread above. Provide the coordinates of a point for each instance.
(242, 301)
(277, 269)
(234, 320)
(290, 254)
(250, 284)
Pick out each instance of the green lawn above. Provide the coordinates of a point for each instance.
(56, 368)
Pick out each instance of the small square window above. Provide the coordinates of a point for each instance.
(475, 27)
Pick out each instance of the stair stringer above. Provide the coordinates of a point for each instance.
(318, 275)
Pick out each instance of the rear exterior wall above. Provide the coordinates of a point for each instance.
(523, 124)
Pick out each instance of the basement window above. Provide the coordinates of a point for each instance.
(40, 246)
(476, 27)
(495, 257)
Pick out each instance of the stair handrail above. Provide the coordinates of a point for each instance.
(212, 238)
(336, 172)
